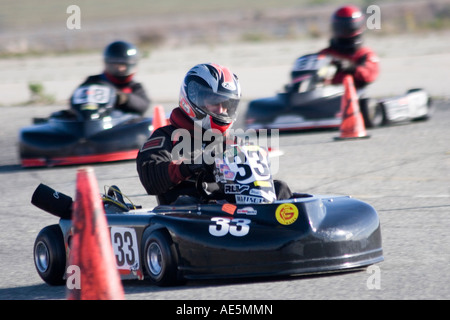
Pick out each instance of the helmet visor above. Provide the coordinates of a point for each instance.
(220, 106)
(120, 69)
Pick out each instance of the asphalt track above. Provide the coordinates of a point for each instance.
(403, 171)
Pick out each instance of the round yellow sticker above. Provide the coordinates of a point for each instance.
(286, 213)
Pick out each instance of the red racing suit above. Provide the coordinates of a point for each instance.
(363, 64)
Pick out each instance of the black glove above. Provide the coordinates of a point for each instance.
(344, 65)
(200, 162)
(195, 168)
(121, 98)
(196, 163)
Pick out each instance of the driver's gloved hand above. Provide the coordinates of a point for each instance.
(194, 168)
(196, 163)
(199, 162)
(344, 65)
(121, 98)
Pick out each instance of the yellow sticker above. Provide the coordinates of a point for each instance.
(286, 213)
(262, 184)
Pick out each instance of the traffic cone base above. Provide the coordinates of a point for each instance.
(351, 138)
(352, 125)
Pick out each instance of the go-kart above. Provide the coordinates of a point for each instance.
(90, 131)
(254, 235)
(310, 102)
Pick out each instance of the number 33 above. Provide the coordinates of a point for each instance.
(223, 226)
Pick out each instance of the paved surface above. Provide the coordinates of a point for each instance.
(403, 171)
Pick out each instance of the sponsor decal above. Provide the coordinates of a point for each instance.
(247, 210)
(227, 172)
(262, 184)
(229, 208)
(248, 199)
(286, 213)
(235, 188)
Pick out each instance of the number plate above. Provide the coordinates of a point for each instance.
(125, 247)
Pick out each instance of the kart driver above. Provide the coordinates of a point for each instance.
(350, 56)
(209, 99)
(121, 60)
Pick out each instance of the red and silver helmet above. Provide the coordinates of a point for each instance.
(210, 93)
(347, 25)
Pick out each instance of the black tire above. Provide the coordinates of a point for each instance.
(50, 255)
(159, 258)
(373, 113)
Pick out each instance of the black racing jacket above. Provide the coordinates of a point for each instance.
(131, 96)
(162, 170)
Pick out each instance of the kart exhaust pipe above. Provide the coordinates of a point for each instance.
(52, 201)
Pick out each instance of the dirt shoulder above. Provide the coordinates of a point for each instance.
(407, 61)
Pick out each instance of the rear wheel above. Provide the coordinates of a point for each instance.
(373, 113)
(50, 255)
(160, 258)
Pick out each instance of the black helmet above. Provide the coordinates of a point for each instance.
(207, 85)
(347, 26)
(121, 53)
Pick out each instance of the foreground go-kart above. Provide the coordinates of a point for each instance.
(308, 102)
(90, 131)
(251, 236)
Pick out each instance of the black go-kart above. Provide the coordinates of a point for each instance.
(310, 102)
(251, 236)
(90, 131)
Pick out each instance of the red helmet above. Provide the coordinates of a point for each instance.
(347, 28)
(210, 93)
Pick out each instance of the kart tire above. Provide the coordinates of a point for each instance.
(373, 113)
(160, 258)
(50, 255)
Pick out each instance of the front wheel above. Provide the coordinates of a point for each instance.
(50, 255)
(160, 259)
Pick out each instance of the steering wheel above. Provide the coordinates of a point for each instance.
(201, 185)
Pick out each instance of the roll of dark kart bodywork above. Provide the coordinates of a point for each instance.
(52, 201)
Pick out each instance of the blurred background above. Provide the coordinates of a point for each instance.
(37, 48)
(41, 28)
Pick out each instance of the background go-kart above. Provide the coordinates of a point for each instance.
(403, 171)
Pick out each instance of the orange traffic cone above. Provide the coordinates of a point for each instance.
(92, 261)
(159, 117)
(352, 125)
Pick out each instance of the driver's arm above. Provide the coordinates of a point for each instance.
(157, 169)
(134, 101)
